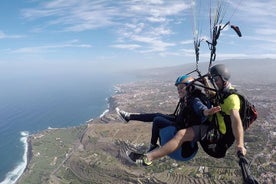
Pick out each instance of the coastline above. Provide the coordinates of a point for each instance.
(14, 175)
(29, 153)
(29, 157)
(110, 105)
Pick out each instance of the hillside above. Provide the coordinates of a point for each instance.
(95, 153)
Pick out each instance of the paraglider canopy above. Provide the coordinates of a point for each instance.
(211, 18)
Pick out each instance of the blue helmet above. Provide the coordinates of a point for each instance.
(184, 79)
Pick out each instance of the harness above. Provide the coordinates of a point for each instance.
(215, 143)
(185, 115)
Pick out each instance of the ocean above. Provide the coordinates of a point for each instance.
(31, 102)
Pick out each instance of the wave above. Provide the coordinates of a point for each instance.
(14, 175)
(106, 111)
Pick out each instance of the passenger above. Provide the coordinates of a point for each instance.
(162, 120)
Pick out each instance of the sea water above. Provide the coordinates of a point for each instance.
(30, 103)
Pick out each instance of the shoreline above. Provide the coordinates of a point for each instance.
(29, 153)
(29, 157)
(14, 175)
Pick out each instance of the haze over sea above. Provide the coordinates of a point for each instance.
(37, 97)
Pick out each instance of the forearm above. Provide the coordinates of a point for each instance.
(202, 110)
(237, 130)
(238, 133)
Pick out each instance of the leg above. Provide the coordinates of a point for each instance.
(158, 123)
(191, 134)
(181, 136)
(145, 117)
(148, 117)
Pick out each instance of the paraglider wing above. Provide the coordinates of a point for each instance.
(237, 30)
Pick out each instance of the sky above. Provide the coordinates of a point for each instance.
(120, 34)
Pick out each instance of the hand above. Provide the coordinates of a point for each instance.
(241, 149)
(212, 110)
(216, 109)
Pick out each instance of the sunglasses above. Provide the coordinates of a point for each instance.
(181, 86)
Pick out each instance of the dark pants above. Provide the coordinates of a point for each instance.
(158, 120)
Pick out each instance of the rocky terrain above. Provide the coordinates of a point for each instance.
(95, 152)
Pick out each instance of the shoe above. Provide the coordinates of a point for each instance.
(123, 115)
(153, 147)
(139, 158)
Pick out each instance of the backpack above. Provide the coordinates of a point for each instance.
(218, 147)
(248, 112)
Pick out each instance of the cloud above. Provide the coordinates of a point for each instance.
(50, 48)
(144, 26)
(258, 8)
(261, 13)
(5, 36)
(187, 42)
(74, 15)
(145, 21)
(81, 15)
(126, 46)
(266, 31)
